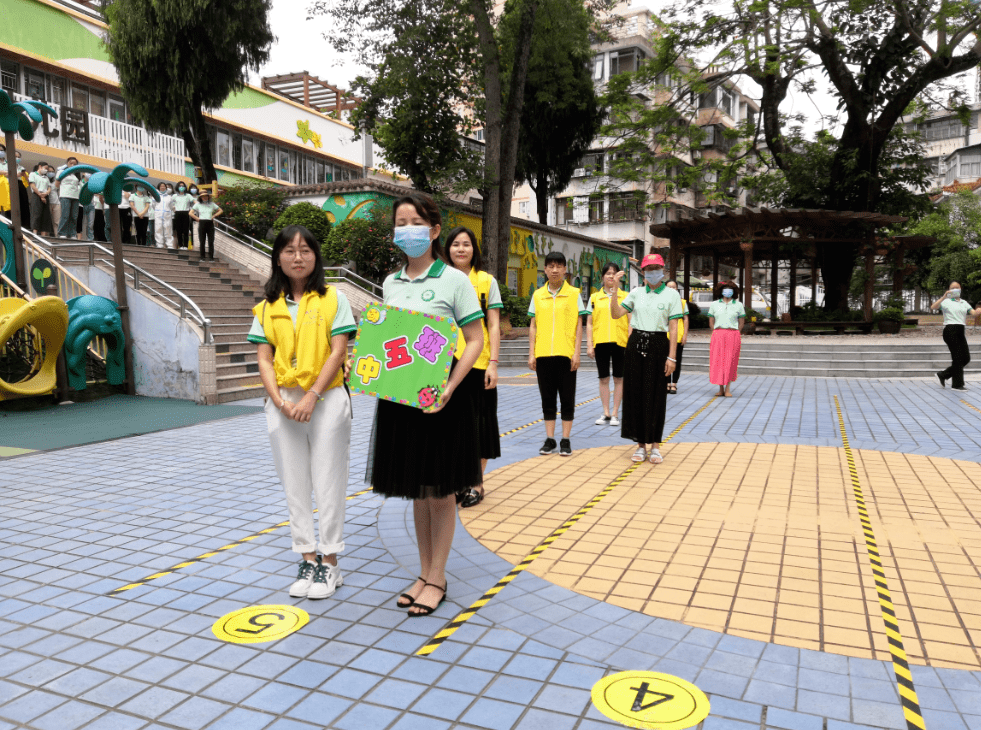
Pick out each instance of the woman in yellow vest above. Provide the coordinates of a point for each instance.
(301, 328)
(464, 254)
(606, 340)
(682, 341)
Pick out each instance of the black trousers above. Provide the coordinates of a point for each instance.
(556, 378)
(206, 233)
(125, 224)
(645, 392)
(182, 227)
(960, 355)
(99, 225)
(677, 366)
(141, 226)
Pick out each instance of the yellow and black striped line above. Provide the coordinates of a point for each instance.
(447, 631)
(969, 405)
(205, 556)
(540, 420)
(900, 665)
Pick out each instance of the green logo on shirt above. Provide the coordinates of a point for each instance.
(428, 295)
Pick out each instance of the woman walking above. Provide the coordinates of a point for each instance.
(301, 329)
(606, 341)
(429, 457)
(726, 318)
(682, 341)
(650, 357)
(481, 381)
(956, 311)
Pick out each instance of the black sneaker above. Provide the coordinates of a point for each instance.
(942, 379)
(565, 448)
(958, 387)
(548, 447)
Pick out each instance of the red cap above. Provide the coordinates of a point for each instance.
(652, 259)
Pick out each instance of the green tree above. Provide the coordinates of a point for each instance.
(368, 243)
(879, 56)
(252, 209)
(452, 49)
(307, 215)
(561, 114)
(956, 256)
(176, 58)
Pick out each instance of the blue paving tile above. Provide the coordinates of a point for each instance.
(769, 693)
(719, 723)
(76, 682)
(419, 722)
(352, 683)
(68, 716)
(726, 707)
(465, 679)
(481, 657)
(27, 707)
(114, 692)
(945, 720)
(787, 720)
(275, 698)
(828, 682)
(443, 704)
(493, 714)
(242, 719)
(115, 721)
(727, 685)
(320, 709)
(308, 674)
(535, 719)
(530, 667)
(197, 712)
(820, 703)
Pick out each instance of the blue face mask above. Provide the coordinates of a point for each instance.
(413, 240)
(653, 278)
(955, 293)
(727, 293)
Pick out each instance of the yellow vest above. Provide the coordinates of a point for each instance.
(681, 321)
(300, 350)
(605, 328)
(555, 319)
(481, 281)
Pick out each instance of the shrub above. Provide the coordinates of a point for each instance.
(753, 316)
(693, 310)
(251, 209)
(698, 321)
(368, 243)
(307, 215)
(515, 308)
(893, 314)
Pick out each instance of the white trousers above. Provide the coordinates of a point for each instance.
(163, 232)
(312, 460)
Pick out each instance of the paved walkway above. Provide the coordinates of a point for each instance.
(742, 565)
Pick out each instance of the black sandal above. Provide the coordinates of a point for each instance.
(398, 601)
(472, 497)
(427, 610)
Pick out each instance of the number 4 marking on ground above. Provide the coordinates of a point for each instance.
(642, 692)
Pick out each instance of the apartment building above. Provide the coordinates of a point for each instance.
(51, 50)
(595, 203)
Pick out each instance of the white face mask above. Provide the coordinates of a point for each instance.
(727, 293)
(653, 278)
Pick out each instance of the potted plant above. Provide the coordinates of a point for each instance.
(890, 320)
(749, 327)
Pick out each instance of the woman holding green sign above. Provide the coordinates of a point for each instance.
(301, 328)
(409, 458)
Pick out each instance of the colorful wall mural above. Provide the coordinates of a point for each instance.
(526, 251)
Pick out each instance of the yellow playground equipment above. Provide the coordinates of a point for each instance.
(48, 317)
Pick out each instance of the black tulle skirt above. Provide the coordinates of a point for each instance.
(644, 387)
(414, 455)
(485, 401)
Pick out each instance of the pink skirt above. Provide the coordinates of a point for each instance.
(724, 356)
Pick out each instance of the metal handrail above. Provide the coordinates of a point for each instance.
(244, 238)
(265, 249)
(177, 299)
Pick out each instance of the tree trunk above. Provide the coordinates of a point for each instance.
(15, 212)
(541, 199)
(199, 147)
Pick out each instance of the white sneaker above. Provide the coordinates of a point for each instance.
(614, 421)
(326, 579)
(304, 579)
(603, 421)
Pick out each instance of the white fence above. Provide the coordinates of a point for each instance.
(112, 140)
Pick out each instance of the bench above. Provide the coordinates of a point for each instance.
(798, 328)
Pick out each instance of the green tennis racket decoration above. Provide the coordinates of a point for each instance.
(403, 356)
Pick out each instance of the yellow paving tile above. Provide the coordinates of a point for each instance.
(760, 540)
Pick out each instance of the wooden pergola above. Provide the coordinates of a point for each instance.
(741, 237)
(311, 91)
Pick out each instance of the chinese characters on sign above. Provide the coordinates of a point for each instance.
(74, 126)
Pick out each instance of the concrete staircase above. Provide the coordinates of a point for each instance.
(858, 358)
(226, 295)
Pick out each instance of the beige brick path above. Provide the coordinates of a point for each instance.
(761, 541)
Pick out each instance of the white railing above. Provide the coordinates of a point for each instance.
(116, 141)
(94, 254)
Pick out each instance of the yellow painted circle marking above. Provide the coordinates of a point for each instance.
(650, 700)
(259, 624)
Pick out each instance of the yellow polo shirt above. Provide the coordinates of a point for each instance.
(555, 319)
(605, 328)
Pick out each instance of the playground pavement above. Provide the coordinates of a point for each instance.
(739, 565)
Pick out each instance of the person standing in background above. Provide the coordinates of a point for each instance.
(68, 189)
(555, 338)
(54, 200)
(650, 357)
(956, 311)
(140, 205)
(163, 218)
(182, 220)
(205, 212)
(125, 218)
(39, 195)
(682, 340)
(606, 341)
(726, 317)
